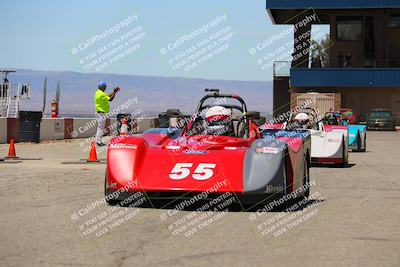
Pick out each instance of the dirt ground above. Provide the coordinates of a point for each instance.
(49, 211)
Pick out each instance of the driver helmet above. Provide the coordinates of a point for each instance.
(302, 119)
(218, 120)
(333, 118)
(348, 116)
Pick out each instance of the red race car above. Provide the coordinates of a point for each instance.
(219, 149)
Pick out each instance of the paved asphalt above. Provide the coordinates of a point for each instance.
(52, 215)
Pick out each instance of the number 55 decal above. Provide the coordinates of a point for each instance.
(203, 171)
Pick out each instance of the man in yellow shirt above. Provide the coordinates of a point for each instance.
(102, 106)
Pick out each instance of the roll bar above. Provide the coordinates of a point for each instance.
(216, 94)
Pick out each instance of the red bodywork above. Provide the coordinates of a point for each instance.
(150, 168)
(145, 163)
(329, 128)
(276, 126)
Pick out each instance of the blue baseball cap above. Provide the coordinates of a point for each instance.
(102, 85)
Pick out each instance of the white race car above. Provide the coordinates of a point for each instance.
(328, 145)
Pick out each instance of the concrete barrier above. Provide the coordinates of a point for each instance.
(67, 128)
(84, 127)
(52, 129)
(13, 129)
(3, 130)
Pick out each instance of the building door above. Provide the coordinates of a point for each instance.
(322, 103)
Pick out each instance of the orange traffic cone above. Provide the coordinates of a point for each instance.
(124, 127)
(92, 153)
(11, 151)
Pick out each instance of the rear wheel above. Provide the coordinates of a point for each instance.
(306, 178)
(358, 141)
(364, 147)
(344, 159)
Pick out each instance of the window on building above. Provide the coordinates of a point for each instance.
(349, 28)
(395, 21)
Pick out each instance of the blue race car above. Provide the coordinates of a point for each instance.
(357, 133)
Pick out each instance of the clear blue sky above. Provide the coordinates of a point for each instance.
(40, 34)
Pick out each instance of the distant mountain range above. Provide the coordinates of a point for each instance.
(154, 94)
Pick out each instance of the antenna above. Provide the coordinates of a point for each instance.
(44, 95)
(58, 92)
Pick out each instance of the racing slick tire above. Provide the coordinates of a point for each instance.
(345, 161)
(365, 143)
(358, 141)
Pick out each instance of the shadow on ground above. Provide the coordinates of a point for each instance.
(347, 166)
(289, 206)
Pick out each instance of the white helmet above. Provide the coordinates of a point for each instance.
(217, 119)
(302, 119)
(217, 113)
